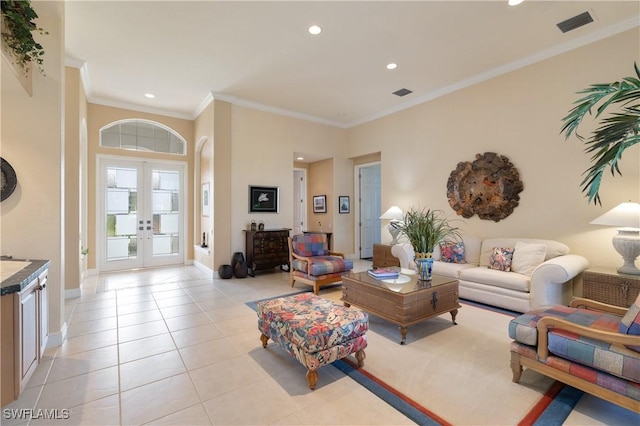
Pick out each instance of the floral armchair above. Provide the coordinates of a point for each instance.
(312, 263)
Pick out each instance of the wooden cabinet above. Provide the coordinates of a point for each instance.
(382, 256)
(607, 286)
(28, 331)
(266, 249)
(25, 331)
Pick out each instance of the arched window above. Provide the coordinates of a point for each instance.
(142, 135)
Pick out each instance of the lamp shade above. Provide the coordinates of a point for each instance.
(394, 213)
(625, 215)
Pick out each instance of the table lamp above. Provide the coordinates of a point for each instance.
(626, 217)
(395, 216)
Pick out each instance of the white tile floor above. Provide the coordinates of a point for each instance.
(173, 346)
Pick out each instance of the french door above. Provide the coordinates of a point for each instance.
(141, 214)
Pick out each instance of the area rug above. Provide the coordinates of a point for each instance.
(455, 374)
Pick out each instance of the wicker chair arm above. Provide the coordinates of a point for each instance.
(336, 253)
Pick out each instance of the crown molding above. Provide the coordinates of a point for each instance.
(512, 66)
(138, 108)
(275, 110)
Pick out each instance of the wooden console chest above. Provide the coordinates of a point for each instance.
(382, 256)
(607, 286)
(266, 249)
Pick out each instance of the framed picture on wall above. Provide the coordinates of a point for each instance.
(263, 199)
(206, 198)
(343, 204)
(319, 203)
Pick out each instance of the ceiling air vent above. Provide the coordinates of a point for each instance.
(402, 92)
(575, 22)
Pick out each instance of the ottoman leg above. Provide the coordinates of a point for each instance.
(264, 339)
(312, 378)
(360, 356)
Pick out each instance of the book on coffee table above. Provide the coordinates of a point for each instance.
(380, 273)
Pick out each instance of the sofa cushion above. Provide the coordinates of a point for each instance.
(501, 258)
(554, 248)
(527, 256)
(323, 265)
(452, 252)
(630, 323)
(508, 280)
(451, 270)
(310, 245)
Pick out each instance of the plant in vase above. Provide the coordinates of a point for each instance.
(424, 229)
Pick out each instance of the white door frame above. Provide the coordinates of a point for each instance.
(101, 161)
(356, 205)
(303, 197)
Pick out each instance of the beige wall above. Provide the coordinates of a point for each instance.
(222, 180)
(320, 182)
(262, 154)
(32, 219)
(517, 115)
(75, 136)
(100, 116)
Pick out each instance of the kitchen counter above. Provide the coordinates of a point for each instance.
(17, 273)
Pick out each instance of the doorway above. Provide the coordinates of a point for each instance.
(299, 201)
(141, 218)
(368, 194)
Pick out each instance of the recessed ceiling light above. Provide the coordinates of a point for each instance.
(515, 2)
(299, 158)
(315, 30)
(149, 95)
(392, 66)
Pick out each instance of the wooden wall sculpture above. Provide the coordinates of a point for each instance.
(488, 187)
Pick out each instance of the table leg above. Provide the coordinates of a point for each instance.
(347, 305)
(403, 333)
(453, 316)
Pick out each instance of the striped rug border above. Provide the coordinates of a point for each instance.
(552, 408)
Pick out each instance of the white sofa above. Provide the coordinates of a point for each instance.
(535, 285)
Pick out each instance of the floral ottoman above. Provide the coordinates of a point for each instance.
(314, 330)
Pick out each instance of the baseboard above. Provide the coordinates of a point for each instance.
(72, 293)
(56, 339)
(205, 269)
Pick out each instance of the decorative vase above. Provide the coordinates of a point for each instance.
(424, 268)
(253, 225)
(261, 226)
(225, 272)
(241, 270)
(237, 257)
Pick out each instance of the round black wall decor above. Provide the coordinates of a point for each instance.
(488, 187)
(9, 180)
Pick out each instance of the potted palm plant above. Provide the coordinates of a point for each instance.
(618, 131)
(424, 229)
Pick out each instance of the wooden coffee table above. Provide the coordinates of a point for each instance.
(405, 303)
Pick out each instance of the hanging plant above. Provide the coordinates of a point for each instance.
(17, 33)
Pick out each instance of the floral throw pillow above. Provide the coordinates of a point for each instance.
(501, 258)
(452, 252)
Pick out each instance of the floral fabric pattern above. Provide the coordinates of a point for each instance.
(501, 259)
(452, 252)
(314, 330)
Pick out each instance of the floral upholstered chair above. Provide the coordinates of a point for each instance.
(312, 263)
